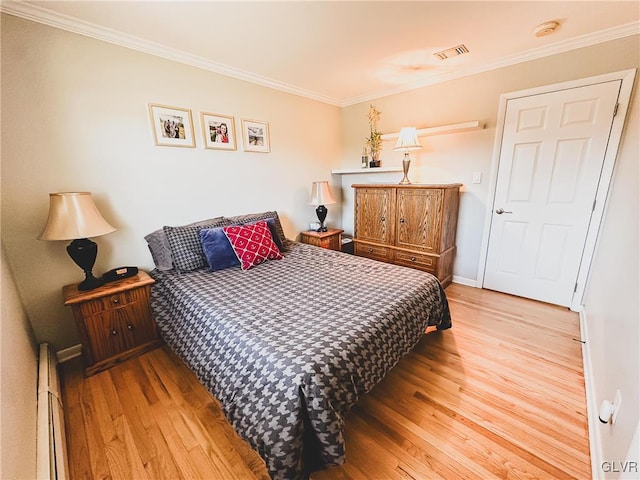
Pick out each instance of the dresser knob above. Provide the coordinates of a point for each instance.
(371, 250)
(114, 332)
(130, 327)
(382, 219)
(402, 220)
(413, 259)
(116, 300)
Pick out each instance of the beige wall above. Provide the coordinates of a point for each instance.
(612, 310)
(18, 384)
(74, 117)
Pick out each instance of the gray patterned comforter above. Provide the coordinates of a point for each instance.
(290, 345)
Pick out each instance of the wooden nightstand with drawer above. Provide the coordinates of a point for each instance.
(331, 239)
(114, 321)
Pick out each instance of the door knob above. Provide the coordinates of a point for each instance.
(500, 211)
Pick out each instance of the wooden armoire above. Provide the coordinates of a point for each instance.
(410, 225)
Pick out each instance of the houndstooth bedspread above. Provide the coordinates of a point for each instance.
(290, 345)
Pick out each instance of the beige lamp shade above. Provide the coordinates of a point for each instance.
(407, 140)
(320, 194)
(73, 215)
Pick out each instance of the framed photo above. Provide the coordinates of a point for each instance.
(219, 131)
(255, 136)
(171, 126)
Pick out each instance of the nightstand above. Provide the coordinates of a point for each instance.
(330, 239)
(114, 321)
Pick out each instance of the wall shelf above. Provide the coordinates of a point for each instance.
(347, 171)
(441, 130)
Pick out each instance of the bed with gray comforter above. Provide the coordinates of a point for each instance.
(290, 345)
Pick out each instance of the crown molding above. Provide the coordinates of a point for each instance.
(88, 29)
(64, 22)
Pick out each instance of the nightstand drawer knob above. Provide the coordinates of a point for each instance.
(116, 300)
(114, 332)
(371, 250)
(402, 220)
(382, 219)
(413, 259)
(130, 327)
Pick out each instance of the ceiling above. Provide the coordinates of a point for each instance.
(340, 52)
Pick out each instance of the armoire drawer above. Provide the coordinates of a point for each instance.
(374, 252)
(416, 260)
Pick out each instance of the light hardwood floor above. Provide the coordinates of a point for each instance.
(500, 395)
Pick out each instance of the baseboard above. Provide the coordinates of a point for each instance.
(69, 353)
(595, 441)
(464, 281)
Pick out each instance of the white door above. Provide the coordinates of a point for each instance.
(552, 153)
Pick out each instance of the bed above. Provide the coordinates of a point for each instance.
(289, 346)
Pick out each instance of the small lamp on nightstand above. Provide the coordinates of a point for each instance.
(74, 216)
(321, 196)
(407, 140)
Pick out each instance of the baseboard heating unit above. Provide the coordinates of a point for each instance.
(51, 463)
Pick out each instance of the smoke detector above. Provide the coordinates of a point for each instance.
(546, 28)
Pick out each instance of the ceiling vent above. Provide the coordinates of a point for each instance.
(452, 52)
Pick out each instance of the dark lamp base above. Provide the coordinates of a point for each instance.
(83, 252)
(90, 282)
(321, 212)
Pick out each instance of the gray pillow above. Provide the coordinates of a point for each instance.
(254, 217)
(186, 248)
(160, 248)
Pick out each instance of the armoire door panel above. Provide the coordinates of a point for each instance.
(373, 220)
(419, 214)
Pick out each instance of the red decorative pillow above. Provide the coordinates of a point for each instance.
(252, 244)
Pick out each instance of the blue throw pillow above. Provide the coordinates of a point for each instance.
(217, 249)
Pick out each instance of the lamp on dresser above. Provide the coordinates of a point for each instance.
(74, 216)
(321, 196)
(407, 141)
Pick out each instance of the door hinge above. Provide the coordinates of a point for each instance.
(593, 207)
(615, 109)
(575, 288)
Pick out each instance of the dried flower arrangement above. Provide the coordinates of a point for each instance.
(373, 142)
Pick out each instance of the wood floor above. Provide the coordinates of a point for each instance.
(500, 395)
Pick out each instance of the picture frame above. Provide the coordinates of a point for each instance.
(171, 126)
(255, 136)
(219, 131)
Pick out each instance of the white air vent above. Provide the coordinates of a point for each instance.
(452, 52)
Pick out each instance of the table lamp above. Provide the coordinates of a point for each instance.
(74, 216)
(407, 141)
(321, 196)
